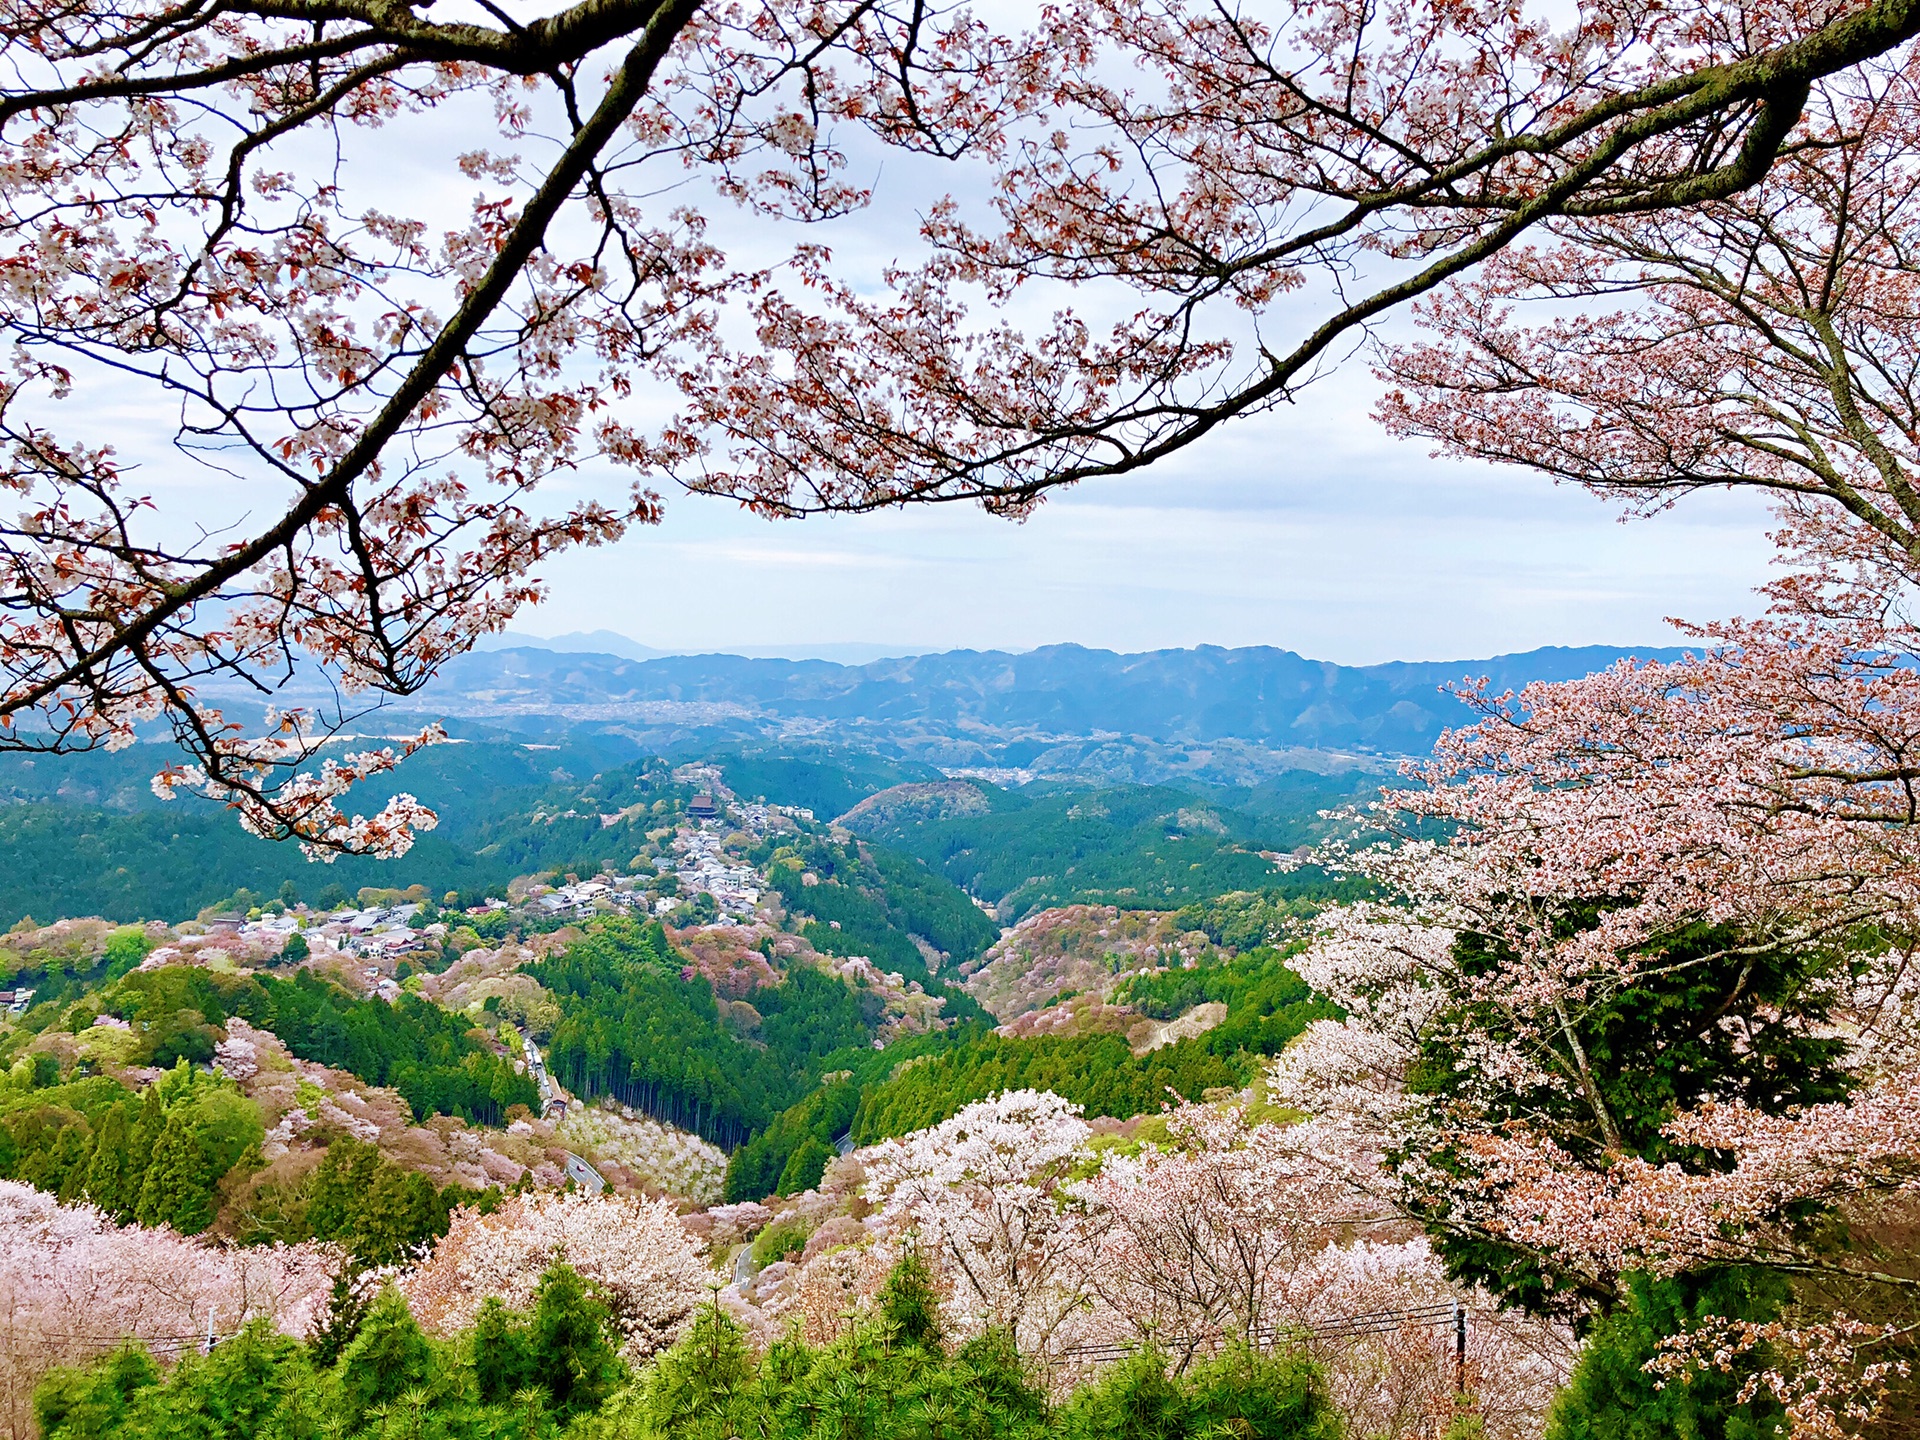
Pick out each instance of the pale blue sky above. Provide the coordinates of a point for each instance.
(1309, 529)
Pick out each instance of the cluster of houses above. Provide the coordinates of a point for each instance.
(586, 897)
(697, 859)
(375, 932)
(702, 865)
(759, 818)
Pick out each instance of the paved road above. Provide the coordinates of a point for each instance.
(538, 1067)
(578, 1170)
(584, 1175)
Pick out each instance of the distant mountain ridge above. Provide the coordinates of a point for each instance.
(574, 642)
(612, 642)
(1010, 708)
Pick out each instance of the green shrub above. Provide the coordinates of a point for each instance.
(555, 1369)
(785, 1236)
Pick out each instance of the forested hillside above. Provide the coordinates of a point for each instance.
(407, 1035)
(792, 1026)
(634, 1029)
(92, 839)
(1140, 847)
(846, 1011)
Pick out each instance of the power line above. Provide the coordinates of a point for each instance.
(208, 1338)
(1377, 1322)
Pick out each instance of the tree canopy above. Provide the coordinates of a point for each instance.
(1248, 190)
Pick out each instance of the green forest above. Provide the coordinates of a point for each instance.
(556, 1368)
(1139, 847)
(155, 1158)
(87, 837)
(635, 1030)
(920, 1082)
(438, 1061)
(868, 900)
(430, 1056)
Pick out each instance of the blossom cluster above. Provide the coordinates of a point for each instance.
(74, 1285)
(1085, 1243)
(636, 1253)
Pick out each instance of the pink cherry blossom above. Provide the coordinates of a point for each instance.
(73, 1285)
(1191, 211)
(635, 1252)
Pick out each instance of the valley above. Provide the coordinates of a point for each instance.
(750, 1006)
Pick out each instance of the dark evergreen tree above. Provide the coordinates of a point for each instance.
(398, 1214)
(347, 1306)
(146, 1135)
(1611, 1396)
(94, 1403)
(1716, 1018)
(177, 1190)
(805, 1166)
(380, 1211)
(340, 1184)
(390, 1356)
(995, 1377)
(502, 1356)
(699, 1381)
(72, 1155)
(1264, 1395)
(571, 1346)
(253, 1385)
(1135, 1400)
(909, 1309)
(111, 1182)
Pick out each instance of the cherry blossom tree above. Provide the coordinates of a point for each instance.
(194, 218)
(1637, 1215)
(1719, 851)
(1405, 1379)
(1471, 1071)
(635, 1253)
(74, 1285)
(1760, 793)
(1731, 835)
(980, 1194)
(1765, 341)
(1232, 1230)
(1214, 1236)
(1221, 1230)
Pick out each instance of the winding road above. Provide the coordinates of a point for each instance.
(584, 1175)
(578, 1170)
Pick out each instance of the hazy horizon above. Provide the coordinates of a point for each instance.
(603, 642)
